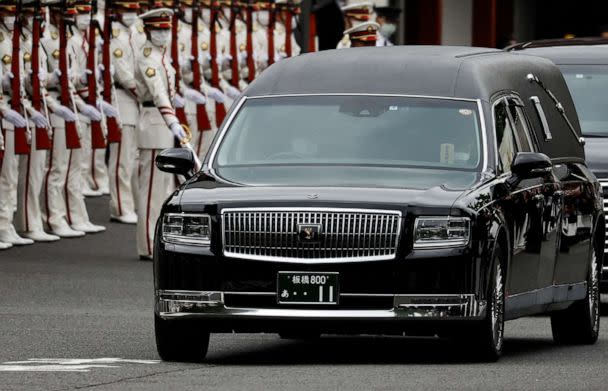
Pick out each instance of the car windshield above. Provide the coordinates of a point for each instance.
(588, 85)
(355, 139)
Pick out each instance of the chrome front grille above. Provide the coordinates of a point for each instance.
(344, 235)
(604, 183)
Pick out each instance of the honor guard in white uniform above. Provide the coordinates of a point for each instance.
(388, 19)
(158, 124)
(32, 167)
(202, 140)
(364, 34)
(231, 44)
(354, 15)
(200, 115)
(123, 154)
(285, 23)
(266, 49)
(63, 203)
(94, 171)
(13, 124)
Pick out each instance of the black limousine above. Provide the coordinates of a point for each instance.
(583, 63)
(429, 193)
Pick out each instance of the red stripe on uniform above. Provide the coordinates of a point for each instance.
(148, 206)
(118, 179)
(65, 189)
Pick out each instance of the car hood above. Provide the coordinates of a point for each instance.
(203, 192)
(596, 156)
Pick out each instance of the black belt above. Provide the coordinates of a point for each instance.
(148, 104)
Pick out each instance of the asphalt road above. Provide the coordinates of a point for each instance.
(78, 314)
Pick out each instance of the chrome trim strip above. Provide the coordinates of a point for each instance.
(363, 94)
(455, 306)
(222, 132)
(555, 286)
(312, 209)
(484, 137)
(308, 261)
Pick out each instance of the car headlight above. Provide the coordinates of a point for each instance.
(435, 232)
(182, 228)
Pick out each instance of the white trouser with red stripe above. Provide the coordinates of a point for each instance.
(154, 188)
(32, 169)
(94, 170)
(8, 178)
(63, 202)
(122, 168)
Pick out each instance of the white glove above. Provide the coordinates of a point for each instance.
(6, 80)
(224, 59)
(65, 113)
(108, 110)
(216, 95)
(84, 76)
(55, 77)
(90, 111)
(232, 92)
(178, 131)
(39, 119)
(15, 118)
(178, 101)
(42, 75)
(195, 96)
(204, 58)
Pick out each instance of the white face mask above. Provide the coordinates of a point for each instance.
(188, 15)
(263, 18)
(160, 37)
(388, 29)
(206, 15)
(83, 21)
(128, 18)
(9, 22)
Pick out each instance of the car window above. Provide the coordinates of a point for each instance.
(505, 136)
(520, 126)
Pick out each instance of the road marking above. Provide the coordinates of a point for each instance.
(68, 364)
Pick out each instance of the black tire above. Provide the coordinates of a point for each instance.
(183, 340)
(488, 337)
(579, 324)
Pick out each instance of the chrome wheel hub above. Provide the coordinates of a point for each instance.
(497, 311)
(593, 293)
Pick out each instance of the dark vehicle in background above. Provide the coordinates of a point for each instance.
(441, 191)
(584, 64)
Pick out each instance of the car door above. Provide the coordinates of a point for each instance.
(546, 207)
(520, 205)
(577, 222)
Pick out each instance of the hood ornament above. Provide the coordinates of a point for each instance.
(313, 196)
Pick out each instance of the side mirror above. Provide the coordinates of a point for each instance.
(531, 165)
(178, 161)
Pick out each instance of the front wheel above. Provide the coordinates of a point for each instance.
(580, 323)
(184, 340)
(488, 337)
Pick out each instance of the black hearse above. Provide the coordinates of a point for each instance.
(418, 190)
(584, 64)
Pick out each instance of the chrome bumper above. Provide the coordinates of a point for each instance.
(176, 304)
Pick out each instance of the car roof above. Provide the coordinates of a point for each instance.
(447, 71)
(571, 55)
